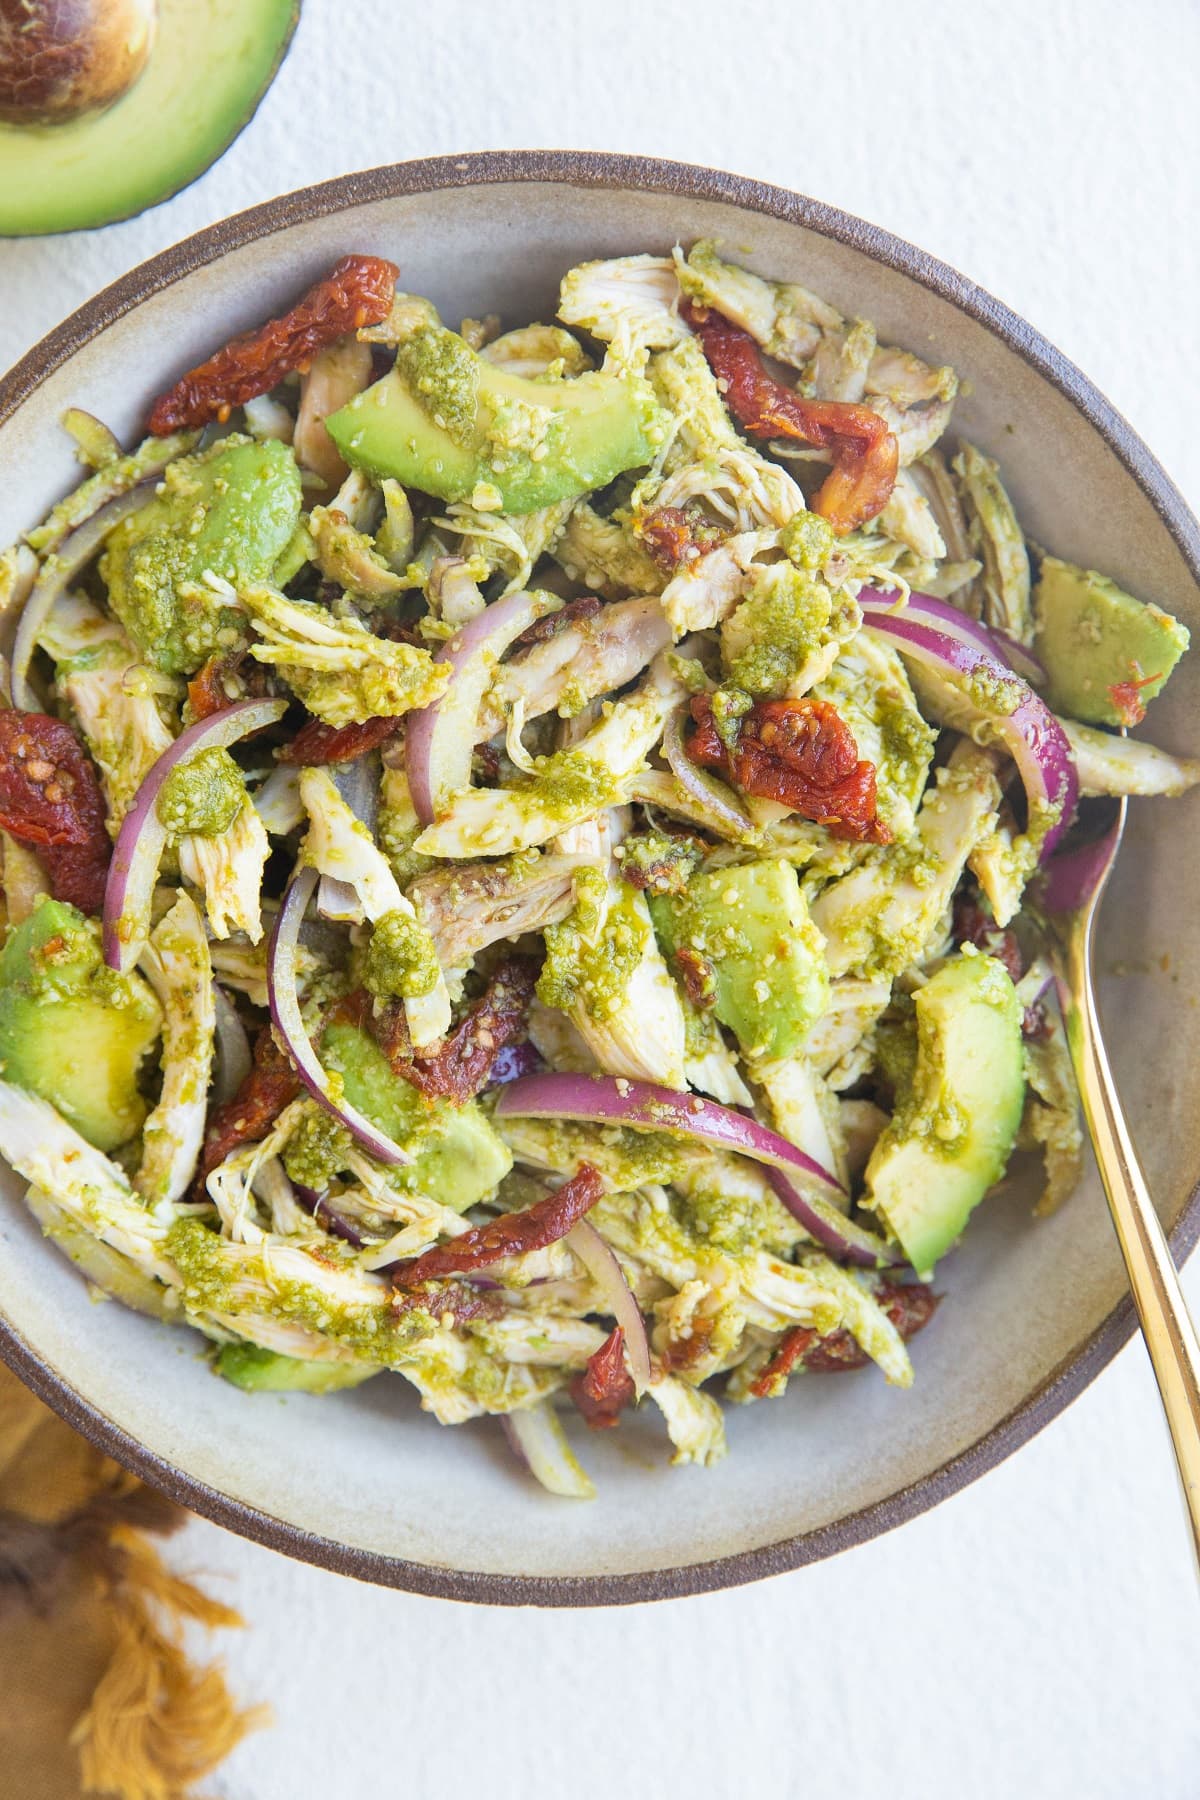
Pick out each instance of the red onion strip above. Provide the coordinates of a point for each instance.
(716, 801)
(285, 1016)
(439, 739)
(536, 1436)
(142, 837)
(601, 1264)
(644, 1106)
(57, 573)
(1023, 722)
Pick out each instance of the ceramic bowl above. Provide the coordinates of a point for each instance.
(363, 1482)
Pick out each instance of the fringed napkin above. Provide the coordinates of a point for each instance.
(98, 1694)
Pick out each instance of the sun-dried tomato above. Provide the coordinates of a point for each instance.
(458, 1299)
(800, 753)
(222, 682)
(317, 743)
(462, 1065)
(698, 975)
(271, 1085)
(50, 797)
(973, 923)
(684, 1353)
(605, 1387)
(865, 453)
(909, 1305)
(357, 292)
(515, 1234)
(788, 1352)
(575, 612)
(675, 535)
(1127, 699)
(488, 1045)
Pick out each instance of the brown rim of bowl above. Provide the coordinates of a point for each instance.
(589, 169)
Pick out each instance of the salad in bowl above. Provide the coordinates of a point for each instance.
(523, 848)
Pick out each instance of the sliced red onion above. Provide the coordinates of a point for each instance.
(232, 1060)
(439, 739)
(644, 1106)
(945, 616)
(339, 901)
(963, 651)
(285, 1015)
(99, 446)
(536, 1436)
(1029, 667)
(334, 1222)
(57, 573)
(714, 799)
(143, 836)
(601, 1264)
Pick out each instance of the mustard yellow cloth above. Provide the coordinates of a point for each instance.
(97, 1695)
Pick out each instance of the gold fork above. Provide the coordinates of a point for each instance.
(1074, 884)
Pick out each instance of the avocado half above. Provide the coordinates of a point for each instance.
(211, 63)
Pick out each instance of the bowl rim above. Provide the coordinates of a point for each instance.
(599, 170)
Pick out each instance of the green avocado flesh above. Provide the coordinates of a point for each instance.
(457, 1157)
(446, 421)
(260, 1371)
(1091, 636)
(210, 65)
(70, 1029)
(228, 512)
(751, 925)
(958, 1107)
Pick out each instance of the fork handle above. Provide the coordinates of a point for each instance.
(1153, 1278)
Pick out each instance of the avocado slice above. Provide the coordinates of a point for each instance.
(457, 1157)
(1092, 636)
(259, 1371)
(447, 421)
(229, 511)
(210, 65)
(958, 1107)
(750, 925)
(71, 1029)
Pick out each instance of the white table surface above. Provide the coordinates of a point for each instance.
(1037, 1634)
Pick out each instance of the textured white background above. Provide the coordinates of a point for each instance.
(1037, 1635)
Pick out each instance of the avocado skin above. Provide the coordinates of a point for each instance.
(208, 69)
(458, 1158)
(751, 924)
(230, 512)
(258, 1371)
(1091, 635)
(596, 426)
(957, 1112)
(70, 1029)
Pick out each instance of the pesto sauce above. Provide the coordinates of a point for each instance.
(589, 964)
(807, 540)
(317, 1150)
(785, 617)
(401, 961)
(202, 796)
(442, 372)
